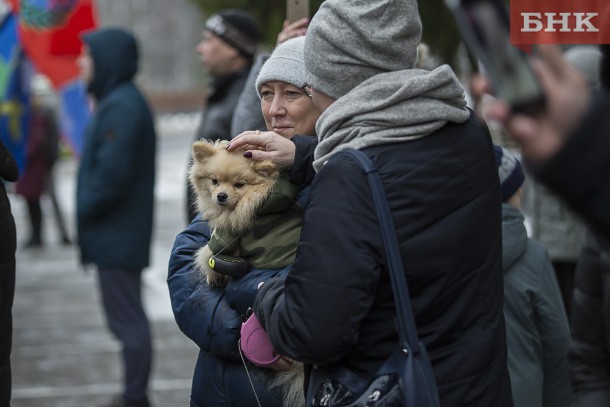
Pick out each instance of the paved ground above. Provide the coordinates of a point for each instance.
(63, 354)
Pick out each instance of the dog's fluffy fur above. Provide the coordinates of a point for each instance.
(230, 188)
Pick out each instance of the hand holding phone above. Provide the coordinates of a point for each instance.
(484, 25)
(296, 10)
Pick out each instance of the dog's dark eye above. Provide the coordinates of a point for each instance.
(214, 181)
(239, 185)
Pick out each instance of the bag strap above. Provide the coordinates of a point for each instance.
(407, 330)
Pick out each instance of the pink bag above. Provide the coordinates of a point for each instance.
(255, 343)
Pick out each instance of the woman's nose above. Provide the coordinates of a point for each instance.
(277, 107)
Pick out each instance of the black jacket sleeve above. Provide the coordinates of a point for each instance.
(590, 325)
(579, 171)
(302, 170)
(315, 316)
(8, 167)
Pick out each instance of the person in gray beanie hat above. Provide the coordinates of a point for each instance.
(285, 64)
(435, 158)
(212, 317)
(331, 43)
(286, 106)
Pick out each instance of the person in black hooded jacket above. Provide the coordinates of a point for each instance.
(8, 172)
(436, 163)
(115, 197)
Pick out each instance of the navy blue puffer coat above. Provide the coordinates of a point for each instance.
(115, 188)
(212, 317)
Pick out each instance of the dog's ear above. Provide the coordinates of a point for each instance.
(202, 150)
(265, 168)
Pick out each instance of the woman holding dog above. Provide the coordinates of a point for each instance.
(212, 317)
(436, 162)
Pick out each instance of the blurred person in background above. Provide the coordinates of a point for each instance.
(566, 146)
(590, 324)
(8, 172)
(229, 42)
(42, 152)
(537, 331)
(115, 198)
(552, 221)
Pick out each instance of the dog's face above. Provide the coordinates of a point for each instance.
(227, 184)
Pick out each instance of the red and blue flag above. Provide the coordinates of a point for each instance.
(49, 32)
(14, 91)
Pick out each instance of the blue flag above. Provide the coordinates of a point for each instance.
(14, 92)
(74, 113)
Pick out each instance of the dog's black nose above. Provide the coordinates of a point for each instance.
(222, 196)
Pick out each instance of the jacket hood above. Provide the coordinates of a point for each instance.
(514, 236)
(115, 59)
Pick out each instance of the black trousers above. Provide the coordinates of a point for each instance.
(122, 300)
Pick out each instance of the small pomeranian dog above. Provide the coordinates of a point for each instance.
(252, 210)
(229, 190)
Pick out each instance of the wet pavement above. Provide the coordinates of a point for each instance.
(63, 355)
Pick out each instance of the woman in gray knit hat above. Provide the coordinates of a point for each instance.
(212, 317)
(437, 165)
(289, 114)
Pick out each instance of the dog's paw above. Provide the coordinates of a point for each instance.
(202, 258)
(215, 279)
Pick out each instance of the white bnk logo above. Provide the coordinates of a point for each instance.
(581, 22)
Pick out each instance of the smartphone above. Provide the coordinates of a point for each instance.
(296, 9)
(484, 25)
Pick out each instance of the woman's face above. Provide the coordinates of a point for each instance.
(288, 110)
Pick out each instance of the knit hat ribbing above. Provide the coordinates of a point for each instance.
(510, 172)
(285, 64)
(349, 41)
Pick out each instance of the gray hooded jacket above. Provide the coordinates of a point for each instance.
(537, 332)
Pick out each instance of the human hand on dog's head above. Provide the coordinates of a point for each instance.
(266, 145)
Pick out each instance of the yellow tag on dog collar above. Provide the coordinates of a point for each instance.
(211, 262)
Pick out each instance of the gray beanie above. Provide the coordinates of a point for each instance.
(285, 64)
(349, 41)
(586, 59)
